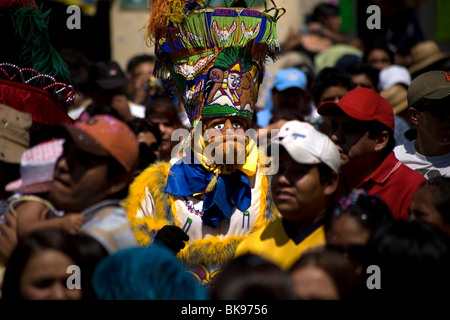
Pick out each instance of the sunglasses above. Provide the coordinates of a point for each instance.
(439, 108)
(355, 251)
(154, 146)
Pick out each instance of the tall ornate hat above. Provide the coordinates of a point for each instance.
(33, 76)
(214, 56)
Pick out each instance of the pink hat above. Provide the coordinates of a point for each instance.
(37, 167)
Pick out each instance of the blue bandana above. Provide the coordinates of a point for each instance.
(188, 179)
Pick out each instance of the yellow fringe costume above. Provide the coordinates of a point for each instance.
(203, 256)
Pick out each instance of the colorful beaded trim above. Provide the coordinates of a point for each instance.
(34, 78)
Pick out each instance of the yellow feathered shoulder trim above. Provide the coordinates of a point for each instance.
(153, 179)
(210, 251)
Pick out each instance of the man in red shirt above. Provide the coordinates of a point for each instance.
(362, 126)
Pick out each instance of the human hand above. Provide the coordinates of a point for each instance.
(172, 237)
(119, 102)
(294, 38)
(71, 222)
(8, 236)
(141, 89)
(315, 27)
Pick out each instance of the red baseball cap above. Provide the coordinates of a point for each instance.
(361, 104)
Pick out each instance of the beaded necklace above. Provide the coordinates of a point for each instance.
(191, 208)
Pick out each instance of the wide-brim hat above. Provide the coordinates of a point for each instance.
(396, 95)
(424, 54)
(33, 76)
(14, 133)
(44, 107)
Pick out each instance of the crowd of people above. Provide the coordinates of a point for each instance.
(343, 192)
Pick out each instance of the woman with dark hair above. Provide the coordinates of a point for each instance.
(378, 55)
(324, 275)
(252, 277)
(413, 261)
(326, 21)
(431, 203)
(163, 113)
(354, 218)
(330, 84)
(38, 268)
(148, 137)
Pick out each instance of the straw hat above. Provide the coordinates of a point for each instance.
(396, 95)
(14, 133)
(424, 54)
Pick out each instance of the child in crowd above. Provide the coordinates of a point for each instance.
(353, 220)
(30, 204)
(251, 277)
(38, 266)
(324, 275)
(413, 260)
(431, 203)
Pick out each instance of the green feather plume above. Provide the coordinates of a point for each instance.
(37, 52)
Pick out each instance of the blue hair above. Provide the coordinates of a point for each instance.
(150, 273)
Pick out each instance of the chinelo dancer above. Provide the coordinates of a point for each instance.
(218, 193)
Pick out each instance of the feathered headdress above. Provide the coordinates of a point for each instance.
(33, 76)
(214, 57)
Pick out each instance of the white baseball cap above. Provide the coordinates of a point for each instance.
(308, 146)
(293, 126)
(394, 74)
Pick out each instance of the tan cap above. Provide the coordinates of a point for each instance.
(432, 85)
(425, 53)
(14, 133)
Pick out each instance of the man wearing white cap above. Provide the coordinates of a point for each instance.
(302, 189)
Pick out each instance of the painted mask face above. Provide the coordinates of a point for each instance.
(225, 140)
